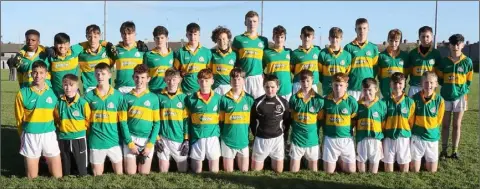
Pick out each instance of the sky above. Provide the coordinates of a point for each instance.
(72, 17)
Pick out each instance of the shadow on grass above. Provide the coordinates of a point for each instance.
(12, 161)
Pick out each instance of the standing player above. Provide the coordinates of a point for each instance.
(398, 124)
(390, 61)
(34, 108)
(276, 61)
(339, 109)
(108, 110)
(192, 58)
(426, 128)
(421, 59)
(204, 123)
(223, 60)
(456, 74)
(305, 58)
(364, 58)
(173, 137)
(158, 59)
(235, 109)
(143, 123)
(269, 123)
(333, 60)
(249, 48)
(305, 107)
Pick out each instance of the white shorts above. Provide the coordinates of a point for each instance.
(139, 142)
(36, 145)
(369, 149)
(311, 153)
(422, 148)
(398, 149)
(254, 86)
(171, 149)
(97, 156)
(89, 89)
(222, 89)
(413, 90)
(458, 105)
(209, 147)
(125, 90)
(230, 153)
(272, 147)
(287, 97)
(355, 94)
(338, 147)
(297, 86)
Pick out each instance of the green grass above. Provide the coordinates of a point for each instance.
(451, 174)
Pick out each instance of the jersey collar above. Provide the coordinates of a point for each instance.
(305, 50)
(230, 95)
(39, 50)
(250, 36)
(422, 95)
(139, 95)
(209, 98)
(355, 42)
(392, 53)
(399, 100)
(125, 47)
(428, 52)
(344, 97)
(220, 52)
(39, 92)
(330, 50)
(156, 51)
(186, 47)
(110, 92)
(75, 100)
(459, 60)
(165, 92)
(301, 95)
(361, 101)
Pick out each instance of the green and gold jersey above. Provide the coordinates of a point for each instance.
(455, 77)
(157, 64)
(428, 116)
(364, 61)
(204, 116)
(88, 60)
(419, 63)
(305, 116)
(249, 50)
(390, 62)
(305, 59)
(173, 115)
(190, 63)
(72, 119)
(370, 119)
(125, 62)
(143, 116)
(221, 65)
(338, 116)
(63, 65)
(25, 69)
(235, 119)
(277, 62)
(399, 118)
(329, 64)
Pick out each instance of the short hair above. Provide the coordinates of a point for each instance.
(424, 29)
(360, 21)
(397, 77)
(205, 74)
(307, 31)
(304, 74)
(251, 14)
(92, 28)
(71, 77)
(456, 39)
(140, 69)
(340, 77)
(160, 30)
(61, 38)
(193, 27)
(237, 72)
(429, 74)
(171, 72)
(335, 32)
(32, 32)
(102, 66)
(279, 30)
(368, 82)
(39, 64)
(219, 30)
(127, 26)
(270, 77)
(394, 34)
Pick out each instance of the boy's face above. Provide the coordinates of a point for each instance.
(223, 42)
(397, 86)
(370, 92)
(271, 88)
(457, 48)
(394, 43)
(141, 80)
(193, 37)
(93, 38)
(426, 38)
(32, 42)
(39, 75)
(339, 88)
(306, 84)
(237, 82)
(161, 40)
(70, 87)
(172, 81)
(362, 30)
(335, 41)
(62, 49)
(429, 84)
(279, 39)
(205, 83)
(252, 23)
(307, 39)
(128, 37)
(102, 76)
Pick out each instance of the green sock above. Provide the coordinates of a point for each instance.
(454, 149)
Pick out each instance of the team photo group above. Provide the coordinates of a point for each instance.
(82, 103)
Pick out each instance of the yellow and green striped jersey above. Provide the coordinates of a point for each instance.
(61, 66)
(329, 64)
(143, 116)
(125, 62)
(390, 62)
(370, 119)
(109, 113)
(249, 52)
(88, 60)
(221, 65)
(190, 63)
(277, 62)
(364, 61)
(34, 110)
(157, 64)
(235, 119)
(306, 114)
(428, 116)
(173, 115)
(72, 119)
(305, 59)
(419, 63)
(24, 70)
(338, 116)
(204, 116)
(455, 77)
(400, 117)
